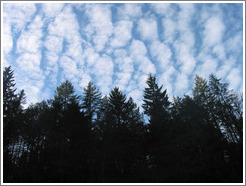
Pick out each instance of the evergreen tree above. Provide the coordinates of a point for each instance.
(157, 107)
(67, 151)
(91, 100)
(90, 103)
(121, 129)
(12, 106)
(222, 114)
(36, 126)
(195, 138)
(225, 102)
(194, 144)
(12, 122)
(156, 104)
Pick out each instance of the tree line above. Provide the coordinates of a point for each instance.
(96, 139)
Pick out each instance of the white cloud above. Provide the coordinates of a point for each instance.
(125, 65)
(129, 11)
(161, 8)
(235, 79)
(120, 53)
(219, 50)
(145, 65)
(100, 27)
(30, 40)
(7, 41)
(32, 93)
(167, 78)
(74, 49)
(29, 75)
(66, 26)
(63, 28)
(51, 67)
(235, 43)
(185, 15)
(213, 32)
(29, 66)
(121, 34)
(148, 29)
(138, 53)
(184, 44)
(138, 48)
(170, 29)
(209, 66)
(69, 68)
(185, 57)
(53, 43)
(5, 62)
(15, 16)
(225, 67)
(104, 66)
(29, 62)
(122, 80)
(103, 70)
(137, 96)
(181, 84)
(211, 21)
(91, 56)
(52, 9)
(142, 81)
(18, 14)
(161, 53)
(85, 79)
(142, 65)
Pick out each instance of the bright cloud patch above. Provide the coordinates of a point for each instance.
(120, 44)
(122, 34)
(148, 29)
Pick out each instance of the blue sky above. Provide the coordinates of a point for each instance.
(120, 44)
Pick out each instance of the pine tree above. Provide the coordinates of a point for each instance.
(64, 95)
(157, 107)
(121, 128)
(156, 104)
(91, 100)
(225, 102)
(12, 120)
(68, 137)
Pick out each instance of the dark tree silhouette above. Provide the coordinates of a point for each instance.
(196, 138)
(12, 123)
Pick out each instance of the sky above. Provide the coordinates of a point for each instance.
(119, 44)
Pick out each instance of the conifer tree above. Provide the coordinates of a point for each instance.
(91, 100)
(156, 104)
(12, 120)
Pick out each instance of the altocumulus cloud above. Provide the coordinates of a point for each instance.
(120, 44)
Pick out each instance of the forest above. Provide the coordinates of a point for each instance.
(90, 138)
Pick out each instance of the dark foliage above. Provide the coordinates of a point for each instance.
(194, 139)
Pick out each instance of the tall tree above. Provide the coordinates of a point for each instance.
(121, 129)
(194, 144)
(91, 100)
(12, 121)
(12, 106)
(225, 108)
(157, 107)
(68, 137)
(156, 104)
(36, 126)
